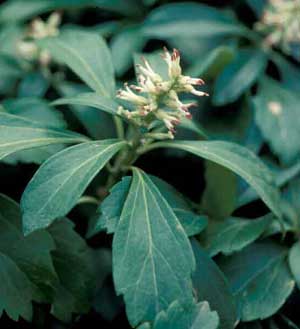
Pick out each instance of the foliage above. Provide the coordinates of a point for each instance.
(148, 199)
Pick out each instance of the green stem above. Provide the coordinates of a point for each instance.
(119, 127)
(126, 157)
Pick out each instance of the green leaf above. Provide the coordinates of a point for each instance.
(190, 221)
(98, 124)
(129, 40)
(74, 266)
(187, 317)
(257, 6)
(92, 100)
(109, 212)
(238, 159)
(233, 234)
(152, 257)
(27, 272)
(194, 126)
(276, 114)
(10, 73)
(18, 10)
(216, 61)
(38, 110)
(219, 197)
(60, 181)
(294, 262)
(189, 20)
(239, 76)
(210, 284)
(260, 278)
(35, 109)
(34, 84)
(290, 73)
(18, 133)
(16, 291)
(87, 54)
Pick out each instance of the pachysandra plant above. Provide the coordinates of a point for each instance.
(163, 245)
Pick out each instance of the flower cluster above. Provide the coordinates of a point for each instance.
(156, 100)
(281, 23)
(39, 29)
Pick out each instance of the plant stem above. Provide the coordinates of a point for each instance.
(119, 127)
(126, 157)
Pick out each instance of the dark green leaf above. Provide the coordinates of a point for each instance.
(18, 133)
(98, 124)
(211, 285)
(238, 159)
(152, 257)
(239, 76)
(38, 110)
(276, 114)
(129, 41)
(27, 271)
(60, 181)
(233, 234)
(210, 67)
(10, 72)
(87, 54)
(260, 278)
(110, 210)
(219, 197)
(16, 291)
(294, 262)
(290, 73)
(189, 19)
(73, 263)
(18, 10)
(92, 100)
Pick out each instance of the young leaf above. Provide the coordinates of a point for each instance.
(238, 159)
(92, 100)
(189, 19)
(27, 272)
(239, 76)
(260, 278)
(87, 54)
(17, 133)
(187, 317)
(60, 181)
(74, 292)
(276, 114)
(111, 208)
(211, 285)
(233, 234)
(152, 257)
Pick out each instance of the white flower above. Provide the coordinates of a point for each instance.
(281, 23)
(158, 99)
(39, 29)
